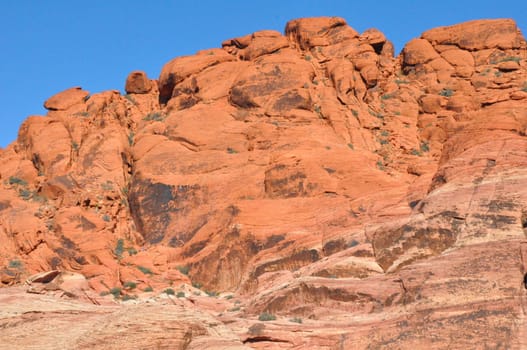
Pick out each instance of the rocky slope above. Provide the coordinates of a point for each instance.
(312, 176)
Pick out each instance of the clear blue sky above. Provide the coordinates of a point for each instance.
(48, 46)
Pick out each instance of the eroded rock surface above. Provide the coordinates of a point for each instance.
(381, 201)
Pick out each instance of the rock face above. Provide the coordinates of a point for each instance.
(379, 200)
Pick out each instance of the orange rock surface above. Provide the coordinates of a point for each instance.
(360, 199)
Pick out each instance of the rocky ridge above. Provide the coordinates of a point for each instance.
(310, 176)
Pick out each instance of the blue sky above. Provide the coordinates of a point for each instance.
(48, 46)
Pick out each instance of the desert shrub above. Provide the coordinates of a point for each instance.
(296, 320)
(446, 92)
(169, 291)
(145, 270)
(180, 294)
(116, 292)
(130, 285)
(15, 264)
(119, 247)
(266, 317)
(13, 180)
(155, 116)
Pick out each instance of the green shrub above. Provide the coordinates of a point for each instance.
(350, 145)
(130, 285)
(355, 113)
(119, 248)
(510, 58)
(155, 116)
(145, 270)
(116, 292)
(183, 269)
(13, 180)
(25, 194)
(415, 152)
(446, 92)
(148, 289)
(380, 165)
(425, 147)
(266, 317)
(107, 218)
(236, 308)
(128, 297)
(180, 294)
(387, 96)
(131, 251)
(15, 264)
(231, 150)
(131, 136)
(296, 320)
(169, 291)
(307, 58)
(211, 294)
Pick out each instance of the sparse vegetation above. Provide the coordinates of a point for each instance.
(169, 291)
(148, 289)
(387, 96)
(296, 320)
(307, 58)
(130, 98)
(180, 294)
(15, 264)
(318, 111)
(106, 218)
(425, 146)
(74, 146)
(13, 180)
(415, 152)
(25, 194)
(131, 251)
(128, 297)
(183, 269)
(155, 116)
(145, 270)
(196, 285)
(211, 293)
(401, 81)
(380, 165)
(116, 292)
(266, 317)
(355, 113)
(131, 136)
(446, 92)
(350, 145)
(236, 308)
(510, 58)
(119, 248)
(129, 285)
(231, 150)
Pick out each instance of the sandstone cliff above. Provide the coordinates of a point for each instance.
(313, 176)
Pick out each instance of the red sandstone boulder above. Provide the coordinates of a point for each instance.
(65, 99)
(137, 83)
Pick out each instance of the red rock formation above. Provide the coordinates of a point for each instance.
(381, 200)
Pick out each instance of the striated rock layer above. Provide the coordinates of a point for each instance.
(364, 200)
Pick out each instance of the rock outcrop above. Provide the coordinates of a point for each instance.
(381, 201)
